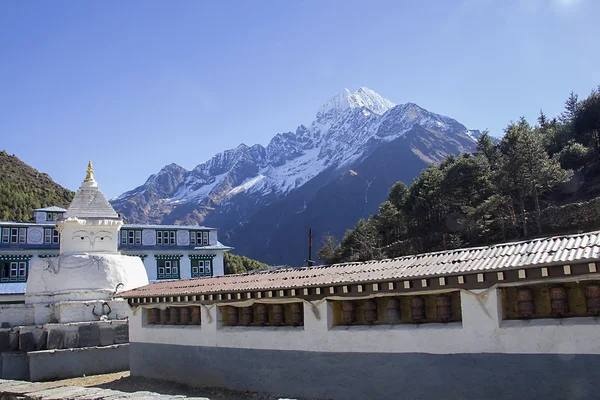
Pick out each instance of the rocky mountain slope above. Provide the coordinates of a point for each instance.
(325, 175)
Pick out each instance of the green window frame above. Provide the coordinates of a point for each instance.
(168, 267)
(14, 268)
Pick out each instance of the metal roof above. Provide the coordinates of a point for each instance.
(142, 226)
(52, 209)
(530, 253)
(506, 256)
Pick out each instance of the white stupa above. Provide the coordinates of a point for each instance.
(89, 267)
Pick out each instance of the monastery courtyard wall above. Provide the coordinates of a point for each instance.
(482, 355)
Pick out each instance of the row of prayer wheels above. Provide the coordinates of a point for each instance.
(559, 301)
(392, 313)
(264, 314)
(174, 316)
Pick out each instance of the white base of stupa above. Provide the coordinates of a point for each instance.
(83, 277)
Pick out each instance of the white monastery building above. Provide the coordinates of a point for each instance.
(167, 251)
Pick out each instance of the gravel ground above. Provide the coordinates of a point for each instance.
(124, 382)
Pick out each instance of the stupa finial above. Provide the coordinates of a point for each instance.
(90, 173)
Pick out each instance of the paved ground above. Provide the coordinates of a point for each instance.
(119, 386)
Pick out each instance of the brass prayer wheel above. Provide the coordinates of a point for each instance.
(394, 315)
(173, 315)
(592, 299)
(247, 316)
(164, 316)
(348, 312)
(417, 309)
(196, 316)
(262, 314)
(559, 301)
(444, 308)
(525, 305)
(296, 311)
(154, 316)
(232, 316)
(370, 311)
(278, 314)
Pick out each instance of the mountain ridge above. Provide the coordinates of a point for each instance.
(230, 187)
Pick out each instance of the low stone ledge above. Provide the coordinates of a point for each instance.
(68, 363)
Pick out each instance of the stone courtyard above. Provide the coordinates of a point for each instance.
(119, 386)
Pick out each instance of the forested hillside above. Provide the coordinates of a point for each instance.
(536, 180)
(23, 188)
(235, 264)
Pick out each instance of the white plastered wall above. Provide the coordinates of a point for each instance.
(481, 331)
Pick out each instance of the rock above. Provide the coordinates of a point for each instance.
(71, 340)
(107, 336)
(89, 336)
(56, 339)
(41, 341)
(4, 342)
(26, 342)
(122, 334)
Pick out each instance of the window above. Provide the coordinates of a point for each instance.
(166, 238)
(55, 236)
(168, 269)
(47, 235)
(14, 235)
(198, 238)
(22, 235)
(13, 271)
(201, 268)
(131, 236)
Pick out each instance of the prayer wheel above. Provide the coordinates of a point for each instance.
(525, 306)
(394, 315)
(443, 307)
(247, 316)
(184, 315)
(154, 316)
(262, 314)
(232, 316)
(417, 309)
(592, 299)
(164, 316)
(559, 301)
(348, 312)
(296, 311)
(370, 311)
(173, 315)
(278, 314)
(196, 316)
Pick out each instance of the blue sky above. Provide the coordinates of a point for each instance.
(137, 85)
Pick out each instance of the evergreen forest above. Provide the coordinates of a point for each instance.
(23, 189)
(234, 264)
(537, 180)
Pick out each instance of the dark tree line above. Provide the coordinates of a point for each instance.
(23, 189)
(496, 194)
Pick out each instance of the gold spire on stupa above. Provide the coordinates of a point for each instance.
(90, 173)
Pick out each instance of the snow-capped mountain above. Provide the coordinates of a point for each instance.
(233, 186)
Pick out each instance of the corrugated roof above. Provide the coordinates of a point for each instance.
(142, 226)
(51, 208)
(536, 252)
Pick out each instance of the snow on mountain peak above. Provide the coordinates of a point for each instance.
(363, 97)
